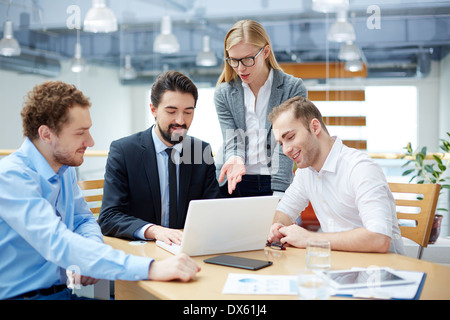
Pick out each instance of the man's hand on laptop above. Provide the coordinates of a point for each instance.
(179, 267)
(164, 234)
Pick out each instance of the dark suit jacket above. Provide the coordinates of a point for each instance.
(131, 194)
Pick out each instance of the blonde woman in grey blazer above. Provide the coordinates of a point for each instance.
(252, 83)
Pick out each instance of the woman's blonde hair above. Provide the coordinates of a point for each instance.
(250, 32)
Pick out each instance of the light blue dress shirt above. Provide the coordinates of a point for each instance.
(163, 172)
(47, 227)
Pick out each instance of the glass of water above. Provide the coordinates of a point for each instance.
(318, 254)
(313, 285)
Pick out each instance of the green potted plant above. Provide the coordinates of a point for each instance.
(429, 172)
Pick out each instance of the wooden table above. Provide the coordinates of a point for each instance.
(211, 279)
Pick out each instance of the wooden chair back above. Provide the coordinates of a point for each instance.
(93, 194)
(416, 206)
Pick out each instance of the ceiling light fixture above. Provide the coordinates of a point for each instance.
(166, 42)
(206, 58)
(77, 64)
(127, 72)
(349, 51)
(100, 18)
(353, 66)
(9, 45)
(328, 6)
(341, 30)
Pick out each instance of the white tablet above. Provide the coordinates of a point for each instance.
(365, 278)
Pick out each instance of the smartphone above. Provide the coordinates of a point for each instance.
(238, 262)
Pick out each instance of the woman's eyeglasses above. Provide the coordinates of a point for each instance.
(247, 61)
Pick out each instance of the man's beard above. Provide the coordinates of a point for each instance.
(172, 138)
(65, 159)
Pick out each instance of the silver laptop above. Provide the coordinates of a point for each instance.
(225, 225)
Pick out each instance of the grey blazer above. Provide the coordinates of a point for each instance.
(229, 101)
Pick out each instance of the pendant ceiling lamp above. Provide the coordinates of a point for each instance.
(9, 45)
(341, 30)
(100, 18)
(166, 42)
(206, 58)
(349, 51)
(77, 64)
(328, 6)
(355, 60)
(353, 66)
(127, 72)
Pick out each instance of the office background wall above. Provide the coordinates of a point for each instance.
(115, 110)
(121, 110)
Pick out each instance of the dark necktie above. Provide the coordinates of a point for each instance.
(172, 189)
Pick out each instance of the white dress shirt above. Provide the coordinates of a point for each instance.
(255, 120)
(349, 192)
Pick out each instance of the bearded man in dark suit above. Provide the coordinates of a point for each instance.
(136, 197)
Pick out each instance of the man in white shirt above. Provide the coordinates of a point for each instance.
(347, 189)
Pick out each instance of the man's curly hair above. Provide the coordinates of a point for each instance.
(48, 104)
